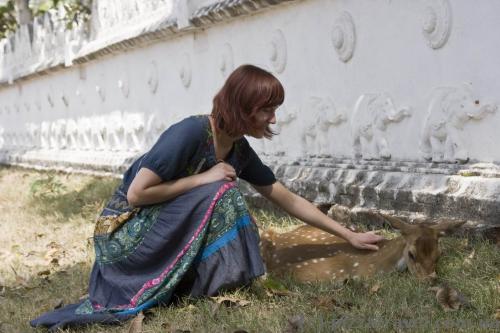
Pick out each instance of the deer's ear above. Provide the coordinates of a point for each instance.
(447, 226)
(396, 223)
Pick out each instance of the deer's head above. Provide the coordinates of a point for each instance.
(421, 250)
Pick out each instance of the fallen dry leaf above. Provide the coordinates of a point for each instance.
(295, 324)
(20, 281)
(44, 272)
(58, 303)
(449, 298)
(325, 302)
(375, 288)
(53, 245)
(136, 324)
(230, 301)
(468, 260)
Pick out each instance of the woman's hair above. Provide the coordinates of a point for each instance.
(248, 89)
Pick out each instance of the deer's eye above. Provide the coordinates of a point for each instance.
(411, 255)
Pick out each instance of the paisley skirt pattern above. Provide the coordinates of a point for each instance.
(199, 243)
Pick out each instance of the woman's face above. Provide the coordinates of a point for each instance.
(262, 119)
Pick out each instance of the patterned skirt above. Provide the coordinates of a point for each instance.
(200, 243)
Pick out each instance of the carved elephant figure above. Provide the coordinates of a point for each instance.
(57, 138)
(33, 131)
(45, 135)
(449, 110)
(134, 130)
(155, 125)
(114, 131)
(285, 118)
(372, 114)
(84, 133)
(72, 134)
(97, 132)
(322, 114)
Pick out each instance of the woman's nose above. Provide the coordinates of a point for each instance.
(272, 120)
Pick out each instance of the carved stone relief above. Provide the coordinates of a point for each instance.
(449, 110)
(155, 125)
(372, 114)
(322, 114)
(185, 70)
(153, 77)
(278, 51)
(344, 36)
(72, 134)
(286, 117)
(437, 22)
(50, 100)
(226, 65)
(116, 131)
(134, 131)
(84, 133)
(100, 91)
(64, 99)
(124, 87)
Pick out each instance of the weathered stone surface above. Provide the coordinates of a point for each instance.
(436, 191)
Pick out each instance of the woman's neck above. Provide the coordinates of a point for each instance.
(222, 141)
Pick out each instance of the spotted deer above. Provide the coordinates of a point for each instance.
(310, 254)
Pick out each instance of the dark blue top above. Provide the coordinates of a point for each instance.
(187, 148)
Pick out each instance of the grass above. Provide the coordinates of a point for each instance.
(46, 256)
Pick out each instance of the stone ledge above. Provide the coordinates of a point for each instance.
(408, 189)
(98, 163)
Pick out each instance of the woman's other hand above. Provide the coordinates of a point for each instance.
(365, 240)
(220, 171)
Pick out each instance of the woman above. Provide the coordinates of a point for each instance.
(178, 223)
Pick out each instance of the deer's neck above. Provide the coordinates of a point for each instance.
(391, 254)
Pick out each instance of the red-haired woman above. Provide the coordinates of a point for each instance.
(178, 223)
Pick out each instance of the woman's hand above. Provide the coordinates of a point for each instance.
(365, 240)
(220, 171)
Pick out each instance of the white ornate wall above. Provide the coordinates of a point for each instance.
(406, 91)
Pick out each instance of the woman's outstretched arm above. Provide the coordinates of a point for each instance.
(307, 212)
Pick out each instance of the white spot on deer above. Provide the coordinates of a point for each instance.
(315, 261)
(306, 263)
(298, 266)
(356, 264)
(341, 271)
(321, 259)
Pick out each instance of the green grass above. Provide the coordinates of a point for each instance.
(400, 304)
